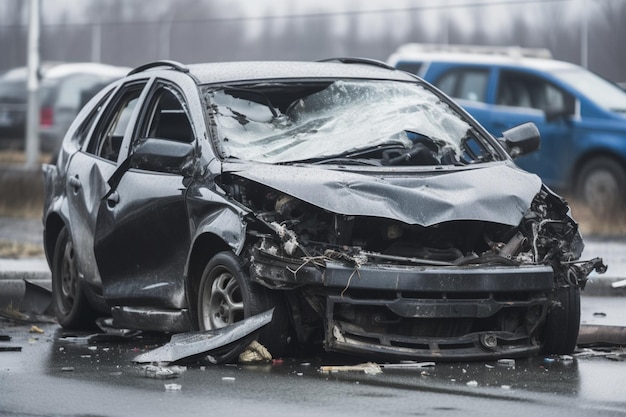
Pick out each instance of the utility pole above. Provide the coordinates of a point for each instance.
(32, 115)
(584, 36)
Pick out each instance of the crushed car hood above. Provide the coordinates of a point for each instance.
(497, 192)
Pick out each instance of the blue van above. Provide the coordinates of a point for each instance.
(581, 116)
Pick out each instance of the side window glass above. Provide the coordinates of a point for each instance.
(110, 132)
(523, 90)
(83, 130)
(447, 83)
(473, 85)
(466, 83)
(167, 118)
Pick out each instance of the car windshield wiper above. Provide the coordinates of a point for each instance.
(347, 161)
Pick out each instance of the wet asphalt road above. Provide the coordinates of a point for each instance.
(54, 375)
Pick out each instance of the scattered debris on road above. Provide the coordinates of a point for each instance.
(162, 372)
(255, 353)
(219, 345)
(369, 368)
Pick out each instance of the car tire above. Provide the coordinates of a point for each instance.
(563, 322)
(72, 309)
(227, 295)
(601, 185)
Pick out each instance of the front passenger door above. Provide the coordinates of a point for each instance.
(143, 232)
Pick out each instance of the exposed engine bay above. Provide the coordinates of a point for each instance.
(297, 246)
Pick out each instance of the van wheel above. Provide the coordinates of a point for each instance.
(562, 325)
(601, 185)
(226, 295)
(71, 306)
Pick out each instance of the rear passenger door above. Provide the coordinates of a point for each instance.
(92, 166)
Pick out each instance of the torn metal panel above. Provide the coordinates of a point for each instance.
(498, 192)
(37, 299)
(221, 344)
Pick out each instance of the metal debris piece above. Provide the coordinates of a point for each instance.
(162, 372)
(220, 345)
(408, 365)
(37, 299)
(601, 335)
(369, 368)
(255, 353)
(173, 387)
(10, 348)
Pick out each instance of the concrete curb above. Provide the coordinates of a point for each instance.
(13, 272)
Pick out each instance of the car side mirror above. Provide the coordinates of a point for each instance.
(161, 155)
(521, 140)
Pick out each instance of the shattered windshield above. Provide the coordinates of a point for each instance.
(374, 122)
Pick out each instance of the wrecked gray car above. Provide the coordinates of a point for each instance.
(371, 212)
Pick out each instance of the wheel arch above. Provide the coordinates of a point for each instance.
(589, 156)
(52, 227)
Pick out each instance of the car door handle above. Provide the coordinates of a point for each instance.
(75, 183)
(113, 199)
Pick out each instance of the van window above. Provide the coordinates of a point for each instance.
(465, 83)
(518, 89)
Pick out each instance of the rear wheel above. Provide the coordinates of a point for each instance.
(226, 295)
(71, 306)
(563, 322)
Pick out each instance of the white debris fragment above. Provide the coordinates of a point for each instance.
(255, 353)
(507, 387)
(472, 383)
(163, 372)
(509, 363)
(173, 387)
(368, 368)
(228, 378)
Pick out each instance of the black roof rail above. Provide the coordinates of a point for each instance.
(357, 60)
(162, 63)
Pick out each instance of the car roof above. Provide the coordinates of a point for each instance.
(534, 63)
(222, 72)
(538, 59)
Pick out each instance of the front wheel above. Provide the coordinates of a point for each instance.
(226, 295)
(601, 185)
(562, 325)
(71, 306)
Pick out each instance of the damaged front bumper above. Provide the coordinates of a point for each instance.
(412, 311)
